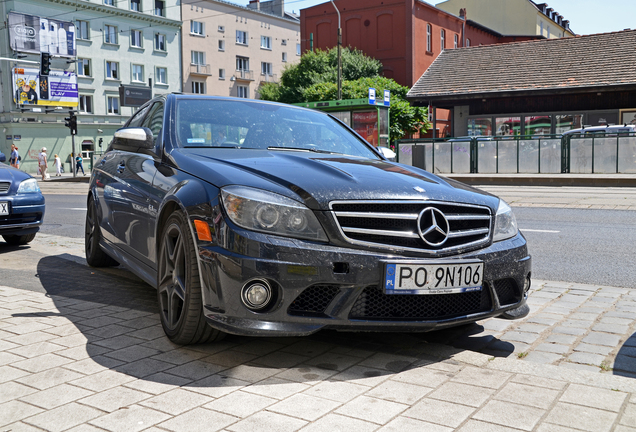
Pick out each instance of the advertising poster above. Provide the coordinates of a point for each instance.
(58, 89)
(32, 34)
(366, 124)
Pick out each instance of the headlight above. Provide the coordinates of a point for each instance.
(28, 186)
(505, 223)
(259, 210)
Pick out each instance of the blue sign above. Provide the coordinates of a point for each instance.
(387, 97)
(371, 96)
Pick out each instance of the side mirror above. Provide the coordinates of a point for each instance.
(133, 139)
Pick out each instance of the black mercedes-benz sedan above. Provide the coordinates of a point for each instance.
(264, 219)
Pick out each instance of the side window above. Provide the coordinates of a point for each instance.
(154, 120)
(136, 119)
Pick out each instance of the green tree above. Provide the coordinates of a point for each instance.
(314, 79)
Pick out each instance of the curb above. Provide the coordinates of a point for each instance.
(557, 180)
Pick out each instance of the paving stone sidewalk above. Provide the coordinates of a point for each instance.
(89, 354)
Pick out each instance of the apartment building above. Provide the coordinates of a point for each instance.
(106, 43)
(230, 50)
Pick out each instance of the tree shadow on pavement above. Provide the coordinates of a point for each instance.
(625, 362)
(117, 315)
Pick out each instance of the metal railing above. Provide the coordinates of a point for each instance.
(245, 75)
(200, 69)
(551, 154)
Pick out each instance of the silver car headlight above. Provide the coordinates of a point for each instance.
(28, 186)
(505, 222)
(259, 210)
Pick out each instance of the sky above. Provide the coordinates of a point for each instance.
(586, 16)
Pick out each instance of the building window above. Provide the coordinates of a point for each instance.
(161, 75)
(467, 42)
(442, 39)
(266, 68)
(83, 67)
(242, 64)
(110, 34)
(113, 105)
(266, 42)
(159, 7)
(284, 57)
(135, 5)
(196, 28)
(297, 49)
(160, 42)
(82, 28)
(429, 40)
(138, 73)
(456, 41)
(112, 70)
(135, 38)
(221, 45)
(109, 2)
(85, 104)
(198, 87)
(242, 92)
(197, 57)
(221, 74)
(241, 37)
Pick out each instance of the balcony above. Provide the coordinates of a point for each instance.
(269, 78)
(200, 69)
(244, 75)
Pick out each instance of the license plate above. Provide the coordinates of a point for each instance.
(4, 208)
(433, 278)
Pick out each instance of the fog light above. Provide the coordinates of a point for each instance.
(256, 294)
(526, 285)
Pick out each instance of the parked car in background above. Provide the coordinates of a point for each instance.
(21, 205)
(264, 219)
(605, 130)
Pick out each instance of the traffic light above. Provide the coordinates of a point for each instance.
(45, 64)
(71, 122)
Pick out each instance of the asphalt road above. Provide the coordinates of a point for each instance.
(572, 245)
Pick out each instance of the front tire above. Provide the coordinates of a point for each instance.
(95, 256)
(19, 240)
(179, 286)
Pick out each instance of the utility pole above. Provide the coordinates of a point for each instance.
(339, 53)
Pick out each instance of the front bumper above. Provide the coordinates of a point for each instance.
(325, 287)
(26, 214)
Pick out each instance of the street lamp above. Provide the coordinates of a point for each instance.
(339, 53)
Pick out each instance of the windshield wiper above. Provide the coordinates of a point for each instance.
(301, 149)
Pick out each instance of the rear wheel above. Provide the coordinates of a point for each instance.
(179, 286)
(95, 256)
(18, 240)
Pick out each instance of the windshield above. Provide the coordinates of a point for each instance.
(255, 125)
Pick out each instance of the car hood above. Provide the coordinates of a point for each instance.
(8, 173)
(318, 179)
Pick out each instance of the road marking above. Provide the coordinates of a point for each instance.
(543, 231)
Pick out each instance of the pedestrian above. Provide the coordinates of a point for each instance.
(79, 165)
(43, 163)
(14, 158)
(58, 166)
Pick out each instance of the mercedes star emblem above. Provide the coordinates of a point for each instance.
(433, 226)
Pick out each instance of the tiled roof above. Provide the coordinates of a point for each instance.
(607, 59)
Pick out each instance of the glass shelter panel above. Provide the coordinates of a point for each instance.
(605, 155)
(487, 156)
(442, 161)
(507, 156)
(627, 154)
(528, 156)
(581, 155)
(461, 157)
(383, 125)
(551, 155)
(366, 124)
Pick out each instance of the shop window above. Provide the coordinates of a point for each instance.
(508, 126)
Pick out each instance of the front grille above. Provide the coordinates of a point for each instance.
(507, 291)
(20, 218)
(394, 224)
(4, 187)
(313, 301)
(374, 304)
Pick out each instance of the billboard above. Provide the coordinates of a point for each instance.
(58, 89)
(32, 34)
